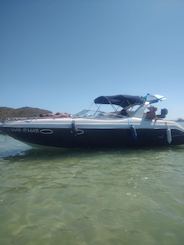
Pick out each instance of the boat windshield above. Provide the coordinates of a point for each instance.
(96, 114)
(85, 113)
(118, 113)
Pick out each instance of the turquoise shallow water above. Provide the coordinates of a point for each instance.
(94, 197)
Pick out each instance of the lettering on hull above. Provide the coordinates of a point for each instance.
(31, 130)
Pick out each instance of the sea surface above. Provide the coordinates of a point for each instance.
(91, 197)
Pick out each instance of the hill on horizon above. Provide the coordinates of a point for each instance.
(8, 112)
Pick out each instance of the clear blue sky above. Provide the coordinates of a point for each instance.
(61, 54)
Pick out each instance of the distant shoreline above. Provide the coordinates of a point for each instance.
(8, 112)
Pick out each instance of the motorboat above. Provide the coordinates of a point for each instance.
(126, 125)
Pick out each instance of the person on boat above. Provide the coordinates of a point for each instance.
(62, 115)
(151, 114)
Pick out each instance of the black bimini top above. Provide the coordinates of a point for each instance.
(121, 100)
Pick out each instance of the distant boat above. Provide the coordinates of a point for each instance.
(129, 126)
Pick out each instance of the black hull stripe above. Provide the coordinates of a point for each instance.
(96, 137)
